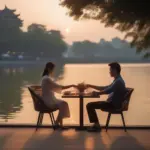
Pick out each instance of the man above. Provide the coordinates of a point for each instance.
(116, 91)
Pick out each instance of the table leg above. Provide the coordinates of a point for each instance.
(81, 112)
(81, 115)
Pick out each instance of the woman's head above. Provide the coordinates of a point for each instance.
(49, 68)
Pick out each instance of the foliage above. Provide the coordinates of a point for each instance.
(36, 42)
(130, 16)
(85, 48)
(114, 49)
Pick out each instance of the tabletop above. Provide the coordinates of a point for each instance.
(80, 95)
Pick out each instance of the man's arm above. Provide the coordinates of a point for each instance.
(111, 88)
(97, 87)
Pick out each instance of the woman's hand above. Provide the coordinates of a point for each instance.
(69, 86)
(73, 85)
(87, 85)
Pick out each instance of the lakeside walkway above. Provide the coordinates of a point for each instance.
(47, 139)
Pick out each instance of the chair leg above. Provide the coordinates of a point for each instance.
(38, 121)
(41, 119)
(123, 121)
(53, 118)
(53, 123)
(108, 119)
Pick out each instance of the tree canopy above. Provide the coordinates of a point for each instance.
(85, 48)
(116, 49)
(37, 41)
(40, 42)
(130, 16)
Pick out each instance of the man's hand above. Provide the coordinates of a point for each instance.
(94, 93)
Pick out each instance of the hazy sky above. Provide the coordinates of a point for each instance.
(49, 13)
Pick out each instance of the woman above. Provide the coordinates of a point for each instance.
(48, 89)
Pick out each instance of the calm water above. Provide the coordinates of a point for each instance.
(16, 105)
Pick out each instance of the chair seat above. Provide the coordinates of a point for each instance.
(45, 110)
(113, 111)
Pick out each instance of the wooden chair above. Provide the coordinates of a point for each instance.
(125, 106)
(40, 107)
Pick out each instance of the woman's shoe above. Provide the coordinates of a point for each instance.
(57, 126)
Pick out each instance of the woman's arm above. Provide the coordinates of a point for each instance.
(57, 87)
(68, 86)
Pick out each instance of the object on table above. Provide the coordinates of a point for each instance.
(67, 93)
(94, 93)
(81, 87)
(71, 93)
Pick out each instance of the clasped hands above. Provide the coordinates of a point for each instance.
(82, 86)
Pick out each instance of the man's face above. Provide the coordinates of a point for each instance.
(112, 72)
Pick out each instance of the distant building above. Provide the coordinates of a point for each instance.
(20, 57)
(10, 25)
(8, 16)
(5, 56)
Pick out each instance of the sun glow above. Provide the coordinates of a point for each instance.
(67, 30)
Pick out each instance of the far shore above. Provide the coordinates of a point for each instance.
(64, 61)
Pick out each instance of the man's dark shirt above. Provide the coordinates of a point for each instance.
(116, 92)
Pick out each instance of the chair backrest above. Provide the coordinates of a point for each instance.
(127, 98)
(37, 89)
(37, 100)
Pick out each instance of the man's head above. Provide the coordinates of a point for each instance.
(115, 69)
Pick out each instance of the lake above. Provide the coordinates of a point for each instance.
(16, 105)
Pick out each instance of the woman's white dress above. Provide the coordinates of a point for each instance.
(49, 87)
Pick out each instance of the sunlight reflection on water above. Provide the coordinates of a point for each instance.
(16, 104)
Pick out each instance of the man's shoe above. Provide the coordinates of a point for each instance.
(64, 128)
(94, 129)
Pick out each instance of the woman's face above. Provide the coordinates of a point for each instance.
(51, 72)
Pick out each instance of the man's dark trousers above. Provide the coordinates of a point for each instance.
(92, 106)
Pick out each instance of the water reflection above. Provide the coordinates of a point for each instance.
(16, 104)
(10, 93)
(12, 80)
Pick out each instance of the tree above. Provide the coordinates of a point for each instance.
(36, 28)
(114, 50)
(36, 42)
(85, 49)
(40, 42)
(130, 16)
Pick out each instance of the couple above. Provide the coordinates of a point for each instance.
(116, 90)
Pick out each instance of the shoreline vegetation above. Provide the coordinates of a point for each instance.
(70, 61)
(41, 43)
